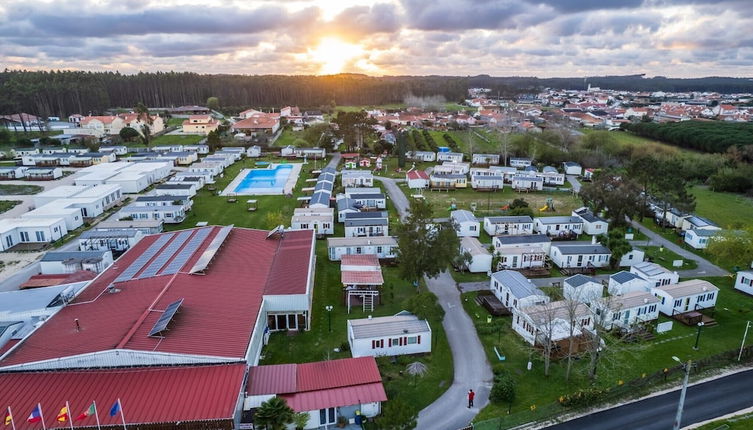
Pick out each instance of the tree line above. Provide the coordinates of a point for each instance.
(706, 136)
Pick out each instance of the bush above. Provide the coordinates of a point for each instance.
(424, 305)
(732, 180)
(503, 389)
(580, 398)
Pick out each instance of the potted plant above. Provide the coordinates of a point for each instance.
(300, 420)
(341, 421)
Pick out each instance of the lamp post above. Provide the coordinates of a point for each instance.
(678, 417)
(698, 336)
(329, 316)
(742, 344)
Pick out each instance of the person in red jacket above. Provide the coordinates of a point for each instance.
(471, 395)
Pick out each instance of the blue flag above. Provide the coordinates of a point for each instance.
(115, 408)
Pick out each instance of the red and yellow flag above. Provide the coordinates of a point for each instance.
(63, 415)
(8, 417)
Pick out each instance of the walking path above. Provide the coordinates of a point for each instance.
(396, 195)
(574, 182)
(471, 369)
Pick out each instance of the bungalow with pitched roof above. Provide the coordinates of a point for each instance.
(515, 290)
(655, 274)
(200, 124)
(592, 224)
(624, 282)
(417, 179)
(579, 254)
(551, 322)
(744, 281)
(399, 334)
(626, 312)
(480, 258)
(686, 296)
(582, 288)
(522, 252)
(465, 223)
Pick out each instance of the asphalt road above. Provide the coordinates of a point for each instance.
(704, 401)
(396, 195)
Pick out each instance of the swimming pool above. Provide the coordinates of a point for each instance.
(276, 179)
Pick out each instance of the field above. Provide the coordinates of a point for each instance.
(175, 122)
(737, 422)
(726, 209)
(287, 137)
(619, 361)
(6, 205)
(176, 139)
(626, 139)
(19, 190)
(665, 257)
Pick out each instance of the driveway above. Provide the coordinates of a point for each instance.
(396, 195)
(705, 267)
(574, 183)
(471, 369)
(335, 160)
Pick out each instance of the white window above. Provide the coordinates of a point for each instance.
(24, 236)
(40, 236)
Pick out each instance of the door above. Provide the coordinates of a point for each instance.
(687, 303)
(627, 317)
(327, 416)
(514, 261)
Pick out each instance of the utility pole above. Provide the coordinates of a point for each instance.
(678, 417)
(742, 344)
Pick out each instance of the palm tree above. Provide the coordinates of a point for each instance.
(274, 414)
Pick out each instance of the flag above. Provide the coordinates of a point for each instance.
(63, 415)
(115, 408)
(8, 418)
(87, 413)
(36, 415)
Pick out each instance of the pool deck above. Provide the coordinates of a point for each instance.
(287, 189)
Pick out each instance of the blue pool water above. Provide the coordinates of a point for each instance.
(265, 180)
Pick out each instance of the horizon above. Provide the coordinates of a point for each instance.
(382, 38)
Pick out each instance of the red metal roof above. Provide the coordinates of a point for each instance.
(147, 395)
(37, 281)
(352, 277)
(219, 309)
(321, 384)
(359, 260)
(417, 174)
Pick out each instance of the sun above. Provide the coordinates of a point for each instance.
(334, 54)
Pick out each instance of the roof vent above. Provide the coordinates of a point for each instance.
(112, 290)
(645, 300)
(405, 330)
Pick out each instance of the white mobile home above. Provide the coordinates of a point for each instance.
(455, 157)
(655, 273)
(525, 182)
(171, 214)
(366, 227)
(422, 156)
(357, 178)
(72, 216)
(369, 200)
(30, 230)
(175, 189)
(486, 182)
(60, 262)
(164, 200)
(579, 254)
(628, 311)
(552, 322)
(321, 220)
(485, 159)
(572, 168)
(384, 247)
(582, 288)
(12, 172)
(417, 179)
(481, 259)
(699, 238)
(114, 240)
(744, 281)
(515, 290)
(626, 282)
(635, 256)
(558, 226)
(695, 222)
(686, 296)
(522, 252)
(508, 225)
(401, 334)
(465, 223)
(520, 162)
(592, 224)
(43, 173)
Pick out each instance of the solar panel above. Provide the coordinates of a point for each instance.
(186, 252)
(141, 261)
(212, 249)
(165, 255)
(166, 317)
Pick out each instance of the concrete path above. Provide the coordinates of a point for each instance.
(396, 195)
(471, 369)
(574, 182)
(335, 160)
(705, 267)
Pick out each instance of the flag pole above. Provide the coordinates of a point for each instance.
(12, 420)
(68, 412)
(96, 413)
(41, 415)
(122, 416)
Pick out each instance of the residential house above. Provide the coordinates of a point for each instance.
(361, 276)
(357, 178)
(320, 199)
(400, 334)
(144, 226)
(624, 282)
(522, 252)
(515, 290)
(480, 257)
(346, 206)
(14, 231)
(172, 214)
(369, 200)
(551, 176)
(321, 220)
(366, 227)
(572, 168)
(200, 124)
(508, 225)
(744, 281)
(199, 149)
(452, 167)
(103, 125)
(465, 223)
(423, 156)
(592, 224)
(263, 123)
(552, 322)
(455, 157)
(485, 159)
(117, 241)
(447, 182)
(656, 274)
(567, 255)
(559, 226)
(58, 262)
(520, 163)
(384, 247)
(686, 296)
(527, 183)
(699, 238)
(628, 311)
(582, 288)
(417, 179)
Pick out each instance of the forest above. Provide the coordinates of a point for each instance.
(706, 136)
(61, 93)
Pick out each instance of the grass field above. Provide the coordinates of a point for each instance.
(619, 361)
(625, 139)
(287, 138)
(19, 190)
(665, 257)
(176, 139)
(726, 209)
(175, 122)
(6, 205)
(490, 203)
(738, 422)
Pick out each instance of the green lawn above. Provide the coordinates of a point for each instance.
(470, 142)
(19, 190)
(618, 362)
(175, 122)
(6, 205)
(726, 209)
(490, 203)
(664, 257)
(176, 139)
(737, 422)
(287, 138)
(625, 139)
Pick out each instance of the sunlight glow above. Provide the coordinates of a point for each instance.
(334, 54)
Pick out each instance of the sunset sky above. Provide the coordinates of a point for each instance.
(679, 38)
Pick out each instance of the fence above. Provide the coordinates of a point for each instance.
(632, 389)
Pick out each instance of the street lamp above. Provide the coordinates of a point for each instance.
(686, 367)
(698, 336)
(742, 344)
(329, 316)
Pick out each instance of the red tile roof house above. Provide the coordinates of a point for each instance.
(176, 311)
(326, 390)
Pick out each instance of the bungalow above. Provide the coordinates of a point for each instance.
(320, 199)
(187, 178)
(447, 182)
(200, 124)
(417, 179)
(551, 177)
(199, 149)
(527, 183)
(515, 290)
(699, 238)
(522, 252)
(485, 159)
(357, 178)
(508, 225)
(175, 189)
(253, 151)
(257, 124)
(744, 281)
(694, 222)
(657, 275)
(346, 206)
(579, 254)
(552, 322)
(674, 217)
(181, 158)
(465, 223)
(366, 227)
(315, 152)
(321, 220)
(384, 247)
(592, 224)
(628, 311)
(582, 288)
(60, 262)
(572, 168)
(361, 276)
(422, 156)
(400, 334)
(171, 214)
(326, 391)
(633, 257)
(144, 226)
(507, 172)
(164, 200)
(559, 226)
(21, 152)
(182, 111)
(114, 149)
(113, 240)
(73, 216)
(686, 296)
(626, 282)
(520, 163)
(485, 182)
(481, 259)
(30, 230)
(455, 157)
(455, 168)
(369, 200)
(10, 173)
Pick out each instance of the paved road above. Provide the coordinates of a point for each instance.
(471, 369)
(574, 182)
(705, 267)
(704, 401)
(335, 160)
(396, 195)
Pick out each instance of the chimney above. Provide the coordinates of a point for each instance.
(78, 325)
